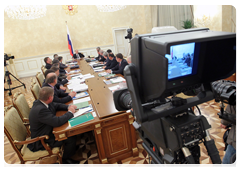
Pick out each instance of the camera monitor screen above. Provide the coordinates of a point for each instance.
(182, 60)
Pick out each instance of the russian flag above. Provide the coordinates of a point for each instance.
(70, 46)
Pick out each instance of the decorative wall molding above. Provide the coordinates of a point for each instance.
(29, 66)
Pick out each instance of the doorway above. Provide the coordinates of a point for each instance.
(121, 44)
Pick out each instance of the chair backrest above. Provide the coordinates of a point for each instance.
(20, 103)
(35, 88)
(40, 78)
(13, 126)
(43, 68)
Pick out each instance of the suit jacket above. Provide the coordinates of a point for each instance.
(43, 119)
(80, 54)
(119, 69)
(59, 95)
(62, 66)
(48, 66)
(100, 58)
(111, 63)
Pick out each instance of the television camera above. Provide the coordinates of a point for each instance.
(165, 65)
(129, 35)
(7, 76)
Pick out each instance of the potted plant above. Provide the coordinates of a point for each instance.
(188, 24)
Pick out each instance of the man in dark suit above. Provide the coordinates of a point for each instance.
(118, 69)
(77, 55)
(43, 118)
(48, 62)
(112, 62)
(59, 95)
(100, 57)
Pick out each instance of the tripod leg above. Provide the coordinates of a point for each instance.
(17, 80)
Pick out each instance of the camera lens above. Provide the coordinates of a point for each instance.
(125, 100)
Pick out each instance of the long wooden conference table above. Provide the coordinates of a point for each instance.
(115, 135)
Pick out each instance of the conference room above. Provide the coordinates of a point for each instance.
(73, 40)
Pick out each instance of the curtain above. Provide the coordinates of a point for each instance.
(233, 19)
(171, 15)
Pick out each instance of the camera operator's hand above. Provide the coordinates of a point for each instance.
(72, 94)
(104, 67)
(223, 126)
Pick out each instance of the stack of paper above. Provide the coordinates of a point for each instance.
(103, 74)
(80, 87)
(117, 80)
(98, 69)
(82, 111)
(81, 100)
(75, 83)
(87, 76)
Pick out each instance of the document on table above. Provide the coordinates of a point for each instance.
(86, 76)
(80, 87)
(81, 111)
(117, 80)
(81, 100)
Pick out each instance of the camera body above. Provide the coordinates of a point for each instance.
(129, 34)
(166, 64)
(6, 57)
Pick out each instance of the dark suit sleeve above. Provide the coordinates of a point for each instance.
(47, 117)
(61, 97)
(60, 106)
(121, 68)
(112, 65)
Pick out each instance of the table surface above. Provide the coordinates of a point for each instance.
(101, 99)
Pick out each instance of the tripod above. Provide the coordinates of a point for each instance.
(7, 76)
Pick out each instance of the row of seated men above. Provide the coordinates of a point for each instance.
(53, 96)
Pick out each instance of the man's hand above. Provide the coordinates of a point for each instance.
(72, 108)
(69, 77)
(72, 94)
(63, 88)
(68, 69)
(104, 67)
(108, 71)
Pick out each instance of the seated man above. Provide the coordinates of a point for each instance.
(100, 57)
(105, 55)
(43, 118)
(112, 62)
(98, 50)
(61, 65)
(60, 81)
(48, 62)
(77, 55)
(118, 69)
(55, 56)
(59, 86)
(61, 70)
(59, 95)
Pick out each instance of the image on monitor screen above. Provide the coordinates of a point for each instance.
(181, 60)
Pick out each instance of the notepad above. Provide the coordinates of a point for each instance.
(80, 119)
(82, 105)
